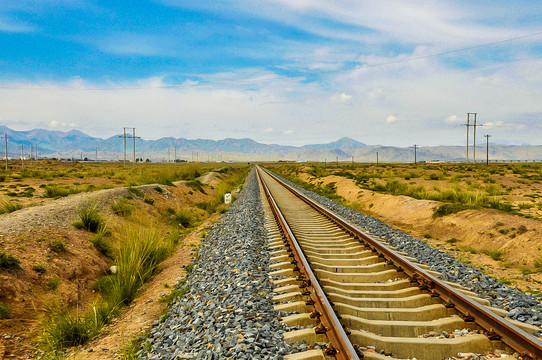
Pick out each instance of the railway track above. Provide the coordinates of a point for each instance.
(366, 300)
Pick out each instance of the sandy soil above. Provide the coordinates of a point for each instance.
(27, 234)
(481, 230)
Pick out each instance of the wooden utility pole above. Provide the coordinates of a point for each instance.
(468, 126)
(377, 158)
(6, 142)
(124, 136)
(415, 147)
(474, 140)
(487, 148)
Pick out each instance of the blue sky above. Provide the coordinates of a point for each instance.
(278, 71)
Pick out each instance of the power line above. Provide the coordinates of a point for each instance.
(278, 77)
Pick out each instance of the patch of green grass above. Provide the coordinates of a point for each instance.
(196, 185)
(9, 206)
(448, 208)
(56, 191)
(179, 291)
(148, 200)
(427, 236)
(57, 246)
(53, 283)
(452, 240)
(184, 217)
(8, 261)
(158, 189)
(102, 243)
(39, 268)
(5, 311)
(496, 255)
(121, 207)
(64, 329)
(90, 217)
(137, 192)
(140, 251)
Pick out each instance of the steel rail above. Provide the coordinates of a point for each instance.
(496, 327)
(344, 350)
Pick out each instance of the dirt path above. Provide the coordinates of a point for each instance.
(474, 231)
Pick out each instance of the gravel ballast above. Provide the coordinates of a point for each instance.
(228, 311)
(522, 307)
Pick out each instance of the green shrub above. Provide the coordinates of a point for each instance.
(121, 207)
(140, 251)
(105, 286)
(137, 192)
(427, 236)
(208, 206)
(40, 268)
(8, 261)
(90, 217)
(102, 243)
(7, 207)
(148, 200)
(447, 209)
(55, 191)
(64, 329)
(5, 311)
(57, 246)
(496, 255)
(158, 189)
(452, 240)
(53, 283)
(196, 185)
(184, 218)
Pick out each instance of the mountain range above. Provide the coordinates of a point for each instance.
(78, 145)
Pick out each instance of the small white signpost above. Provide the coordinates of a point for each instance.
(227, 198)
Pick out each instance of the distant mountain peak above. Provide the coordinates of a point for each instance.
(344, 143)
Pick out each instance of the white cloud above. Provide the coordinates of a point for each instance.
(53, 123)
(391, 119)
(342, 98)
(268, 130)
(289, 132)
(454, 119)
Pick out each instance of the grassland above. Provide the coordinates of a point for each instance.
(513, 188)
(86, 273)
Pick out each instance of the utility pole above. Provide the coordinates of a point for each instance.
(175, 159)
(22, 155)
(36, 150)
(6, 142)
(133, 137)
(377, 158)
(124, 136)
(474, 139)
(352, 159)
(415, 159)
(487, 148)
(468, 126)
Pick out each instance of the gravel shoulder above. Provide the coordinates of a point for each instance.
(228, 311)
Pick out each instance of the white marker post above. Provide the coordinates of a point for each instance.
(227, 198)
